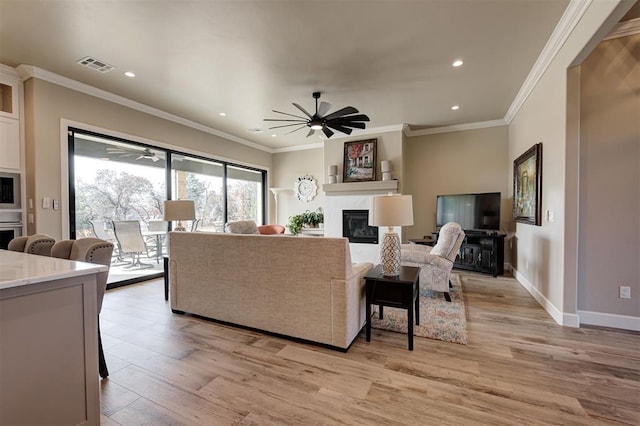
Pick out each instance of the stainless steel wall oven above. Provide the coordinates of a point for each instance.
(10, 191)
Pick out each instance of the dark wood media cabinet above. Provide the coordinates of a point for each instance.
(480, 252)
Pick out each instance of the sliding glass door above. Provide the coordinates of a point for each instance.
(117, 189)
(117, 193)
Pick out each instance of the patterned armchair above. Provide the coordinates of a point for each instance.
(435, 262)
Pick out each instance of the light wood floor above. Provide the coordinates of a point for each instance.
(519, 368)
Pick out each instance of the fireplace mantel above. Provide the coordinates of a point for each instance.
(360, 187)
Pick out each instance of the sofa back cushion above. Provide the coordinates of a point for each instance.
(242, 227)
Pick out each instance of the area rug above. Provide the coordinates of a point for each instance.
(439, 319)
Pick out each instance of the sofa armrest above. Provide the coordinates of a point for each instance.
(437, 262)
(359, 269)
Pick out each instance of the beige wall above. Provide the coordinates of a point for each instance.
(609, 226)
(287, 167)
(538, 251)
(467, 161)
(47, 103)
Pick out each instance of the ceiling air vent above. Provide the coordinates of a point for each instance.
(96, 64)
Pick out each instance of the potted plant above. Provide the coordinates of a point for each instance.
(306, 219)
(313, 219)
(296, 223)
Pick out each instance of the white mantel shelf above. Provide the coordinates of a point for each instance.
(361, 187)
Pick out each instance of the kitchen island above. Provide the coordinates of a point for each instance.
(48, 341)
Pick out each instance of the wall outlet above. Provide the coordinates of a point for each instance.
(625, 292)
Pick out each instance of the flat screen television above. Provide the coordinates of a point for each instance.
(472, 211)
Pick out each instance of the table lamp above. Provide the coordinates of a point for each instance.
(391, 210)
(179, 210)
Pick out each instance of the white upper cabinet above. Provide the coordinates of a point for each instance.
(9, 99)
(10, 142)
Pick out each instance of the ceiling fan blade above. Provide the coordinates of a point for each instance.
(339, 127)
(339, 113)
(303, 110)
(355, 125)
(311, 132)
(286, 113)
(327, 131)
(295, 130)
(357, 117)
(304, 120)
(324, 108)
(285, 125)
(155, 159)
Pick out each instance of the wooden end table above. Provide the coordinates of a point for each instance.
(397, 292)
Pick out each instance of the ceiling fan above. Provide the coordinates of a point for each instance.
(344, 120)
(127, 152)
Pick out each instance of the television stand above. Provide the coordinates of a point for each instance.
(480, 252)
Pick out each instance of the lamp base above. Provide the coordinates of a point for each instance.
(390, 254)
(179, 227)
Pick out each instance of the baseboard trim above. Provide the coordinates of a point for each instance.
(562, 318)
(603, 319)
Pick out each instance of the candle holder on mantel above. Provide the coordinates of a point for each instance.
(333, 173)
(386, 169)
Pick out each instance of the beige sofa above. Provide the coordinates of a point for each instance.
(301, 287)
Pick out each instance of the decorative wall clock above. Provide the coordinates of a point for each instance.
(306, 188)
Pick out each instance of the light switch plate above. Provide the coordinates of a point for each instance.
(45, 202)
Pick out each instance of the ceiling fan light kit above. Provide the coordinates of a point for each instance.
(344, 120)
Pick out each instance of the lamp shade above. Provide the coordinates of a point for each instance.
(391, 210)
(179, 210)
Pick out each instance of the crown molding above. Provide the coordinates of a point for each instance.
(624, 29)
(456, 128)
(570, 18)
(9, 72)
(30, 71)
(298, 147)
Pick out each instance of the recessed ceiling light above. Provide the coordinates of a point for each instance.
(458, 63)
(129, 74)
(222, 114)
(274, 135)
(455, 107)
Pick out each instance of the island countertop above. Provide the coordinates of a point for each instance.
(18, 269)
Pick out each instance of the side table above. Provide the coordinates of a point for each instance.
(397, 292)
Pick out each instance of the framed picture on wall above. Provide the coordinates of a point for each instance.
(527, 186)
(359, 161)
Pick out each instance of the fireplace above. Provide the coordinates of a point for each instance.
(355, 226)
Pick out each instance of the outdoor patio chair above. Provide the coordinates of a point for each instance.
(130, 242)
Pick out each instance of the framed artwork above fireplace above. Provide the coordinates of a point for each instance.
(359, 161)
